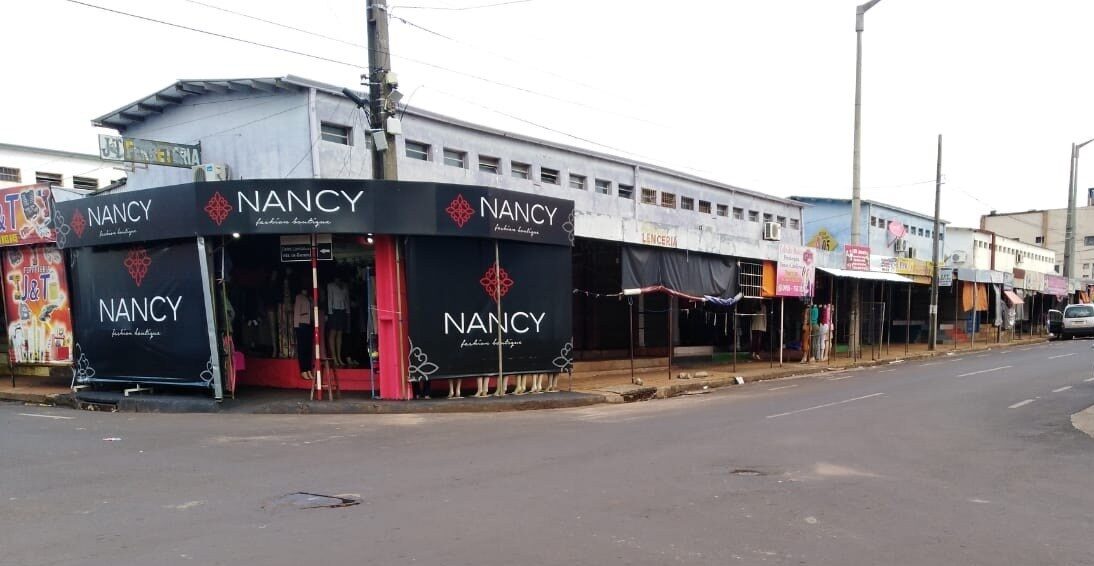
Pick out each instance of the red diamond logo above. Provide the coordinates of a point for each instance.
(137, 262)
(78, 223)
(496, 282)
(218, 208)
(460, 210)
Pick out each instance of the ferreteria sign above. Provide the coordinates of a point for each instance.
(307, 206)
(470, 301)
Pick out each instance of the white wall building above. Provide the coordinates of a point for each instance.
(1047, 227)
(972, 248)
(293, 127)
(23, 165)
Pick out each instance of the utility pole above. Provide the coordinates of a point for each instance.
(381, 83)
(932, 334)
(1069, 233)
(856, 189)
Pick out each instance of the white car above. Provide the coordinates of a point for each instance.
(1078, 321)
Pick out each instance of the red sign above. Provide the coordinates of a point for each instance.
(37, 305)
(857, 258)
(25, 215)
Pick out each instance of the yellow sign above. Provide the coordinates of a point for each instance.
(823, 240)
(906, 266)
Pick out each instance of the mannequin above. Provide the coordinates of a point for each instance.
(522, 382)
(807, 341)
(552, 383)
(337, 318)
(484, 387)
(537, 383)
(454, 386)
(302, 321)
(503, 385)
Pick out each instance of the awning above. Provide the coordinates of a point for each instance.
(1012, 298)
(870, 275)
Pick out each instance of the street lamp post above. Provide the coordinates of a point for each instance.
(1069, 233)
(856, 188)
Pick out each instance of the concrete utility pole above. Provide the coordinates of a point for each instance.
(381, 83)
(856, 189)
(1069, 233)
(932, 334)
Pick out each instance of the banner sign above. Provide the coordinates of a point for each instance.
(309, 206)
(25, 216)
(139, 314)
(36, 300)
(134, 150)
(454, 288)
(858, 258)
(1055, 285)
(795, 275)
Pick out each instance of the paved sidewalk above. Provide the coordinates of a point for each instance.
(661, 383)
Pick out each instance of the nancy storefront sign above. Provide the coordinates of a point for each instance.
(468, 300)
(307, 206)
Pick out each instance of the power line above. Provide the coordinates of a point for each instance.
(278, 24)
(462, 8)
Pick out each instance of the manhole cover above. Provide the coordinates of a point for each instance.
(304, 500)
(746, 472)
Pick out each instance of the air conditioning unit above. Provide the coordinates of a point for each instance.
(960, 256)
(900, 246)
(210, 172)
(912, 253)
(773, 231)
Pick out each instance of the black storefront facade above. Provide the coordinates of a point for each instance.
(464, 281)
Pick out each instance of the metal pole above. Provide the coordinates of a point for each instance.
(908, 319)
(956, 312)
(975, 308)
(735, 337)
(1069, 230)
(782, 317)
(500, 391)
(630, 333)
(668, 316)
(315, 319)
(932, 333)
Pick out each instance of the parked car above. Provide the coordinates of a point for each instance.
(1055, 324)
(1078, 321)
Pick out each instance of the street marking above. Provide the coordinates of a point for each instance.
(1020, 404)
(824, 406)
(781, 387)
(1088, 380)
(958, 360)
(931, 364)
(886, 370)
(981, 356)
(984, 371)
(1062, 389)
(45, 416)
(1061, 356)
(839, 378)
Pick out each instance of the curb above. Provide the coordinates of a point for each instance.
(50, 399)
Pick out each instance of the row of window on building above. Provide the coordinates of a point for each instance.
(487, 164)
(14, 175)
(912, 230)
(1000, 248)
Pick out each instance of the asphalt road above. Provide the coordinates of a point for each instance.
(968, 459)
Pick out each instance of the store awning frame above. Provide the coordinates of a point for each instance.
(867, 275)
(1012, 298)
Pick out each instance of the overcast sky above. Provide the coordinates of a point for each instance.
(756, 94)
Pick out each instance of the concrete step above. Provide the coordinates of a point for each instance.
(624, 365)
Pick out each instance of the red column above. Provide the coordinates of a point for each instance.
(391, 317)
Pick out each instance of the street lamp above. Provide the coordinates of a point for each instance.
(1069, 235)
(856, 189)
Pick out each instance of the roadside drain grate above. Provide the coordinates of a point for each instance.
(746, 472)
(304, 500)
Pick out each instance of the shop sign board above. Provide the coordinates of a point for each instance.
(298, 248)
(662, 236)
(945, 278)
(795, 274)
(140, 315)
(310, 206)
(857, 258)
(461, 292)
(151, 152)
(25, 215)
(1055, 285)
(36, 300)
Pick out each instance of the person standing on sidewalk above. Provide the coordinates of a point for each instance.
(759, 328)
(305, 337)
